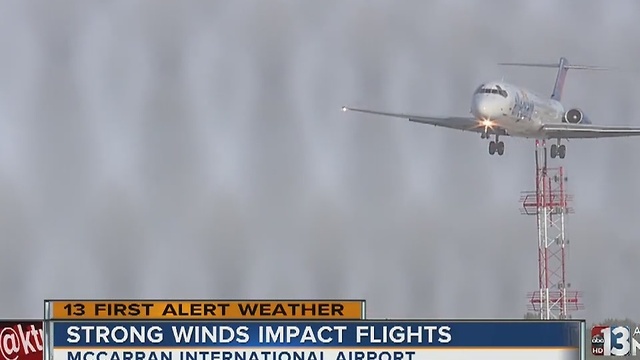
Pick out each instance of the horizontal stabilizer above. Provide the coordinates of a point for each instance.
(557, 65)
(563, 66)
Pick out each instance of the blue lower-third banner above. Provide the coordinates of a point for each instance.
(344, 340)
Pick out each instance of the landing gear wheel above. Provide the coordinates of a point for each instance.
(492, 147)
(500, 148)
(554, 151)
(562, 151)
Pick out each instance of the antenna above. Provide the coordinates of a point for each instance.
(550, 204)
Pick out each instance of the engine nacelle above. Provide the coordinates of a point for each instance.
(575, 116)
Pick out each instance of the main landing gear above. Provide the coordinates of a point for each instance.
(558, 151)
(496, 146)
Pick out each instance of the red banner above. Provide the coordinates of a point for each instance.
(21, 340)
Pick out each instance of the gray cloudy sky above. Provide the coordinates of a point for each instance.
(196, 149)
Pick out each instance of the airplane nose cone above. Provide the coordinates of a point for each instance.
(485, 107)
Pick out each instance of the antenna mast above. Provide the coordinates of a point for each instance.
(550, 203)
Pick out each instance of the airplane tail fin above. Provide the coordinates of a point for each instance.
(563, 66)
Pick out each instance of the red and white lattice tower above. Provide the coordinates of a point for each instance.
(550, 203)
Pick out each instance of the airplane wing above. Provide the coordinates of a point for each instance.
(457, 123)
(587, 131)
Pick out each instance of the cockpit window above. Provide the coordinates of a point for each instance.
(497, 90)
(502, 92)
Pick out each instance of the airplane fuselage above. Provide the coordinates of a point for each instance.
(501, 109)
(518, 111)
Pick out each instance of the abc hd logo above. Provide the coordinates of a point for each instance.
(614, 341)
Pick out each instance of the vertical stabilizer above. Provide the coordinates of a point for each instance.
(562, 74)
(563, 66)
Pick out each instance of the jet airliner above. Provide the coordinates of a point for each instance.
(499, 109)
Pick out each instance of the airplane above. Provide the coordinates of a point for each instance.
(502, 109)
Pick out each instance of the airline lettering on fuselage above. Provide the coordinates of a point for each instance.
(522, 108)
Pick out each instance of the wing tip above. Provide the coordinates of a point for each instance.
(344, 108)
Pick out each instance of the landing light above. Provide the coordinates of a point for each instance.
(344, 108)
(487, 123)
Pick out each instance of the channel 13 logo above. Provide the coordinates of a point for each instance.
(614, 341)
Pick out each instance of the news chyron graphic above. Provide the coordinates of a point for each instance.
(205, 310)
(141, 333)
(615, 341)
(21, 340)
(103, 313)
(313, 340)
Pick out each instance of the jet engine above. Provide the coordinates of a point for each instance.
(575, 116)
